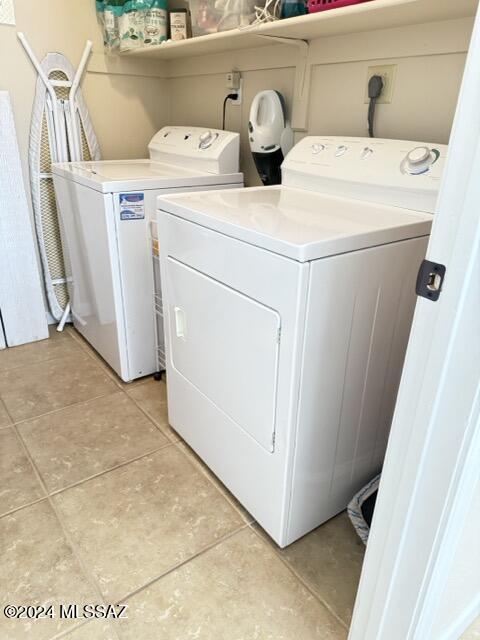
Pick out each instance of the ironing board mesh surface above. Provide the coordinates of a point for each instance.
(45, 157)
(61, 293)
(62, 92)
(51, 229)
(86, 153)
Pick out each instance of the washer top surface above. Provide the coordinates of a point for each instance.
(109, 176)
(296, 223)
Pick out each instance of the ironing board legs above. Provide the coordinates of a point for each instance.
(64, 317)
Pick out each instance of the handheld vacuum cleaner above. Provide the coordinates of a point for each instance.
(270, 136)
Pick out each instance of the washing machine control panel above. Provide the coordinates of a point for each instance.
(209, 150)
(397, 172)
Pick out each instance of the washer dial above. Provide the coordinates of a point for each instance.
(206, 139)
(419, 160)
(317, 148)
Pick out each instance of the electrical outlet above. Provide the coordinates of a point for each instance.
(233, 80)
(388, 73)
(239, 93)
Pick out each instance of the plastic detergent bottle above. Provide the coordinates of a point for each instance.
(132, 24)
(155, 22)
(291, 8)
(112, 11)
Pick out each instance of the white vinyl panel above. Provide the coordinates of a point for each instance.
(21, 300)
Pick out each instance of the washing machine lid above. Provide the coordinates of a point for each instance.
(296, 223)
(109, 176)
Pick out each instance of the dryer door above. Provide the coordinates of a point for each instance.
(226, 345)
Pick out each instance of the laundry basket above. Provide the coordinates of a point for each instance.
(324, 5)
(361, 508)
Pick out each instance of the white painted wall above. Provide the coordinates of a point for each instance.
(430, 61)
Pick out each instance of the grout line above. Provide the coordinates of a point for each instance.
(8, 413)
(42, 361)
(216, 482)
(212, 545)
(75, 552)
(171, 437)
(68, 406)
(93, 356)
(23, 506)
(57, 492)
(300, 579)
(100, 362)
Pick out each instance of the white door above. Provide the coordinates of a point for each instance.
(222, 341)
(421, 576)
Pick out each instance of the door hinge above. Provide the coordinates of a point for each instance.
(279, 335)
(430, 280)
(273, 441)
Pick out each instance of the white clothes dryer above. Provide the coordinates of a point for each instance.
(288, 312)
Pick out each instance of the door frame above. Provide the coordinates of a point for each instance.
(431, 469)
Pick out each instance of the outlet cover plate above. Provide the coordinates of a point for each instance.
(239, 99)
(388, 72)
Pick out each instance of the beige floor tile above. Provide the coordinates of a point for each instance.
(18, 483)
(213, 478)
(238, 590)
(152, 398)
(473, 633)
(5, 420)
(329, 560)
(94, 630)
(38, 568)
(140, 520)
(58, 345)
(78, 442)
(54, 384)
(87, 348)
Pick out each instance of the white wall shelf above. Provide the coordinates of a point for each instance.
(368, 16)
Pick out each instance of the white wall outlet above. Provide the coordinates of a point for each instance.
(388, 73)
(239, 92)
(233, 80)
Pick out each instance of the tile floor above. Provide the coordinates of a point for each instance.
(101, 502)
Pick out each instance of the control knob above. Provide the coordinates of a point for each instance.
(206, 139)
(317, 148)
(419, 160)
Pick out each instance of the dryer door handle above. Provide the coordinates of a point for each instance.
(180, 323)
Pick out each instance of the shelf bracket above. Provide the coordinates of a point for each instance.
(301, 92)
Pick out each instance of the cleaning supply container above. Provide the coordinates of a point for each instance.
(324, 5)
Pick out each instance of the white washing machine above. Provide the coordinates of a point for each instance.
(288, 313)
(105, 212)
